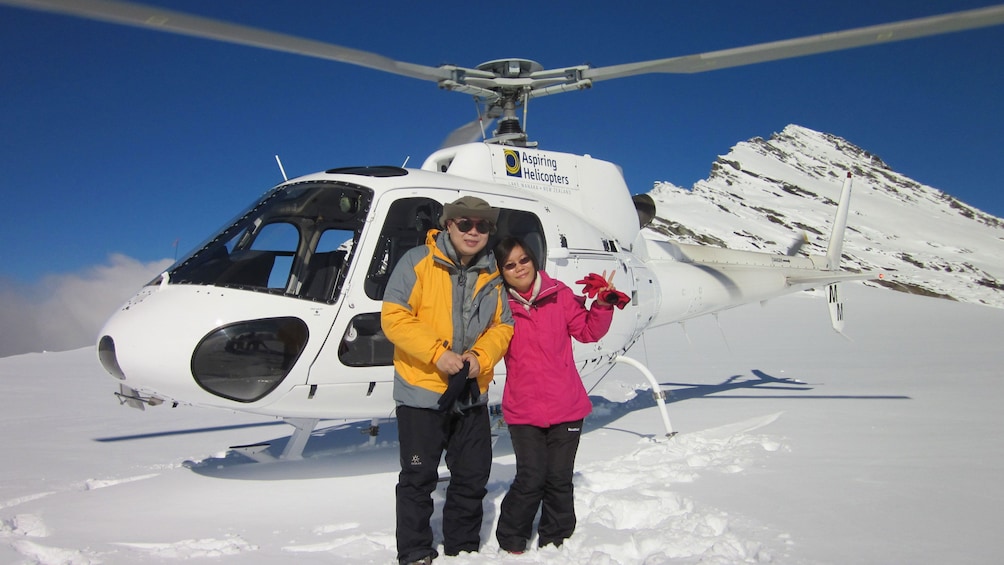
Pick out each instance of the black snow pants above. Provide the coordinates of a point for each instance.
(545, 460)
(424, 435)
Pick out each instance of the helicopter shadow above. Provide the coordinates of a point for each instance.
(764, 381)
(606, 412)
(341, 449)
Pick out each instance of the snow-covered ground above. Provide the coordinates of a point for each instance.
(795, 445)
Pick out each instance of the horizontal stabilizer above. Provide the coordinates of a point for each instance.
(817, 279)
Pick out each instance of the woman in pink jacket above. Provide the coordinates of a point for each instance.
(544, 402)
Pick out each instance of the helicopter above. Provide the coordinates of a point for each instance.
(278, 312)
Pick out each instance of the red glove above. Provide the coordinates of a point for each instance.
(593, 283)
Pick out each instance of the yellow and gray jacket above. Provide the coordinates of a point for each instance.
(431, 305)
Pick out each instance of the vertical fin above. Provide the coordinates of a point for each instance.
(836, 308)
(835, 248)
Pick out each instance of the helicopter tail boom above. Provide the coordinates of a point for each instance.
(705, 279)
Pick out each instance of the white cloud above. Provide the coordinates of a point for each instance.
(66, 311)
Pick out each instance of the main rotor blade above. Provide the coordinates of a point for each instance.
(455, 78)
(158, 19)
(809, 45)
(467, 133)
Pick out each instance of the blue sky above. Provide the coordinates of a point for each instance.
(122, 141)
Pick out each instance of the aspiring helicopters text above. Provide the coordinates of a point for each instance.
(279, 312)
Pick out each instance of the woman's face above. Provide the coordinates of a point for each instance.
(517, 270)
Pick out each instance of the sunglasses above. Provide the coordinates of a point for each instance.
(512, 264)
(465, 225)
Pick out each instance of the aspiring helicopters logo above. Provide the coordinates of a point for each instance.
(534, 166)
(513, 168)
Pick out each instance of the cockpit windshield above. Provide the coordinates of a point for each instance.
(298, 240)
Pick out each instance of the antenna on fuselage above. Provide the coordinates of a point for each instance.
(281, 170)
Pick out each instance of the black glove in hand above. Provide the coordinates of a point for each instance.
(593, 284)
(457, 385)
(615, 298)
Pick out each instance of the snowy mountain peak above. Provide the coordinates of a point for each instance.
(765, 193)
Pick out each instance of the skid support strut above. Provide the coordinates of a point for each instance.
(657, 392)
(294, 447)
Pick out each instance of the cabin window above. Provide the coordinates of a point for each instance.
(406, 225)
(325, 269)
(524, 225)
(364, 344)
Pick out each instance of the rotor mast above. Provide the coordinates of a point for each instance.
(504, 86)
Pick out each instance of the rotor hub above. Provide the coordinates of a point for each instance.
(511, 68)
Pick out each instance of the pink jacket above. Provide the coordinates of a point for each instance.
(543, 386)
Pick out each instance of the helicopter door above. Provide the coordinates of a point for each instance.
(406, 225)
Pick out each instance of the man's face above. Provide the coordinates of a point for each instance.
(472, 240)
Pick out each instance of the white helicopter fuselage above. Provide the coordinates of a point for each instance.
(242, 323)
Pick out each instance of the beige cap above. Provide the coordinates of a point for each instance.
(469, 207)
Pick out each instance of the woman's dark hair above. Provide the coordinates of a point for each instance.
(504, 247)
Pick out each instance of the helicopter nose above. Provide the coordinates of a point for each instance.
(175, 343)
(242, 361)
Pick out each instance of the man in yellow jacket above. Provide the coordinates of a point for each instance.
(446, 314)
